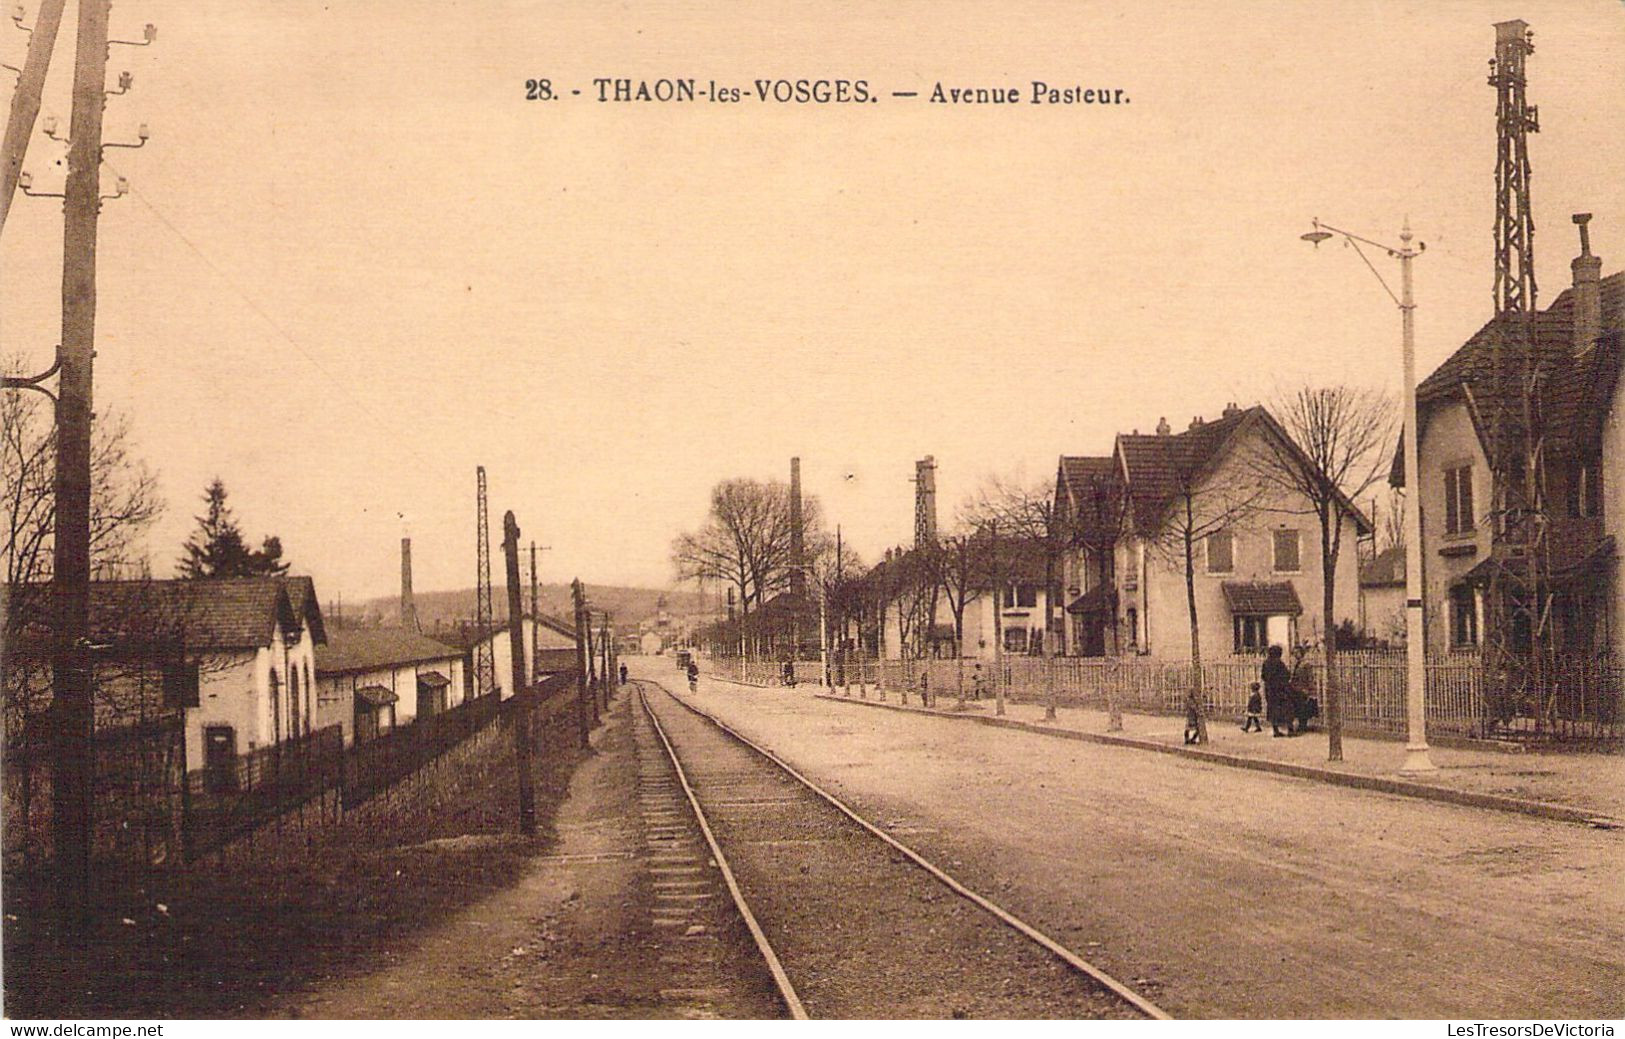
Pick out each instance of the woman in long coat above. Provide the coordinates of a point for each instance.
(1277, 679)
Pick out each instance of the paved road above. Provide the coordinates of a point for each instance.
(1229, 893)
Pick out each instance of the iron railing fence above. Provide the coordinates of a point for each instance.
(1579, 699)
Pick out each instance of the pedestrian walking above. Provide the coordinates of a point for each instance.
(1277, 682)
(1255, 707)
(623, 674)
(978, 684)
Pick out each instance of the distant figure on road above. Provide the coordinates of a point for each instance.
(1277, 692)
(788, 674)
(925, 689)
(1255, 707)
(693, 676)
(978, 684)
(623, 674)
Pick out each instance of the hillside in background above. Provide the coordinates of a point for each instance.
(435, 610)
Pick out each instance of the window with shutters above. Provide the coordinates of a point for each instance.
(1458, 499)
(1286, 552)
(1221, 552)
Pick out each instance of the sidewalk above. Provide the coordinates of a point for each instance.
(1571, 786)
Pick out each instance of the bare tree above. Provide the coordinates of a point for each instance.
(961, 572)
(1201, 505)
(1025, 513)
(747, 541)
(125, 500)
(1334, 448)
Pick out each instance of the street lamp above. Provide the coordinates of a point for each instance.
(1417, 758)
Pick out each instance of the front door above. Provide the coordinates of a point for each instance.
(220, 759)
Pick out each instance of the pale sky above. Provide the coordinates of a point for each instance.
(356, 263)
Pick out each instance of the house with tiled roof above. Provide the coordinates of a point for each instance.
(234, 656)
(368, 681)
(1473, 548)
(1004, 610)
(1257, 575)
(1382, 596)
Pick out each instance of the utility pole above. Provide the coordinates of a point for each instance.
(521, 705)
(579, 594)
(998, 620)
(592, 667)
(26, 101)
(71, 672)
(535, 619)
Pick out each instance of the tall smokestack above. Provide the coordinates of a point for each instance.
(409, 609)
(798, 555)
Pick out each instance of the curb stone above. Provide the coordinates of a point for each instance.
(1399, 787)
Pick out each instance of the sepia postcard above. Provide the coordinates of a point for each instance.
(929, 510)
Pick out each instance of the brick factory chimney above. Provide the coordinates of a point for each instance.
(1587, 294)
(409, 609)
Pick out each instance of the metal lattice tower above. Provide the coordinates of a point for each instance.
(485, 678)
(1517, 635)
(925, 502)
(1515, 119)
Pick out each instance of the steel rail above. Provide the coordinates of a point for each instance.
(787, 991)
(1061, 952)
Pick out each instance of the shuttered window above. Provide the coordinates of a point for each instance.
(1458, 500)
(1286, 552)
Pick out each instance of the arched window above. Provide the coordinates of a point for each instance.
(276, 707)
(293, 702)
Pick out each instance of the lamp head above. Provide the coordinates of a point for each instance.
(1315, 237)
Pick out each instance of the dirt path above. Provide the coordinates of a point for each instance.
(574, 938)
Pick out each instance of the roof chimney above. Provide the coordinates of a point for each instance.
(409, 609)
(1587, 296)
(1196, 422)
(1231, 410)
(1163, 428)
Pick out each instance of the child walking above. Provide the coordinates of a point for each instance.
(1255, 708)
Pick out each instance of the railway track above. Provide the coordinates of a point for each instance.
(848, 921)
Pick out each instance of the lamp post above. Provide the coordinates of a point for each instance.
(1417, 758)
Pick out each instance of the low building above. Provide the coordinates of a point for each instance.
(236, 656)
(371, 680)
(1382, 597)
(549, 647)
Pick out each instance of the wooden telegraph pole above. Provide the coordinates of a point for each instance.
(26, 101)
(516, 641)
(583, 722)
(71, 673)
